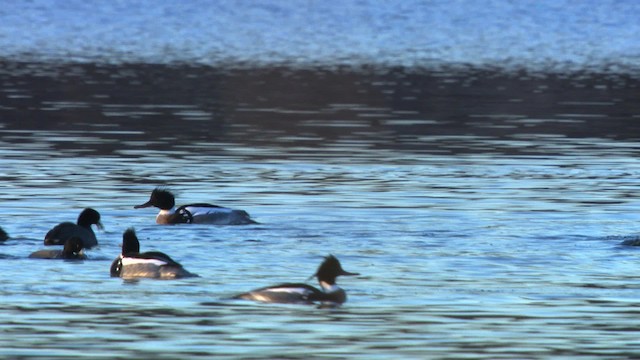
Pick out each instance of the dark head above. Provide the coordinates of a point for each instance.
(72, 248)
(160, 198)
(330, 269)
(130, 243)
(3, 235)
(89, 217)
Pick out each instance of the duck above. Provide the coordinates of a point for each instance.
(3, 235)
(193, 213)
(82, 229)
(72, 250)
(132, 264)
(300, 293)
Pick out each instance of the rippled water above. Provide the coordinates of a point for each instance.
(559, 34)
(476, 163)
(484, 210)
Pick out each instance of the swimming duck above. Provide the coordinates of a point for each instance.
(133, 264)
(72, 250)
(66, 230)
(3, 235)
(193, 213)
(303, 293)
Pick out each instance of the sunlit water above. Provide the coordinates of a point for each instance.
(491, 228)
(484, 206)
(547, 33)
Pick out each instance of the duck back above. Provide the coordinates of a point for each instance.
(66, 230)
(215, 215)
(283, 293)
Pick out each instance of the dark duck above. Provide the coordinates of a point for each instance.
(82, 229)
(72, 250)
(300, 293)
(133, 264)
(193, 213)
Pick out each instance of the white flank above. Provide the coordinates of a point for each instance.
(128, 261)
(276, 294)
(300, 291)
(260, 297)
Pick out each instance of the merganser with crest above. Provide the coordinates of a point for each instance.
(72, 250)
(291, 293)
(193, 213)
(82, 229)
(132, 264)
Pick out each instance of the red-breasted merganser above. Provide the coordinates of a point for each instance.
(327, 273)
(193, 213)
(132, 264)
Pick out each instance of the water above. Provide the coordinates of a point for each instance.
(560, 34)
(484, 204)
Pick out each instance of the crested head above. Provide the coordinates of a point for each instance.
(130, 243)
(161, 191)
(89, 217)
(161, 198)
(330, 269)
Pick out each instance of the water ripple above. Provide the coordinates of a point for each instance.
(483, 227)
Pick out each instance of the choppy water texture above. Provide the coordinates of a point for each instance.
(484, 210)
(547, 33)
(483, 206)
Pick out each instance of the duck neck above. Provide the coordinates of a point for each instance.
(165, 216)
(166, 212)
(329, 288)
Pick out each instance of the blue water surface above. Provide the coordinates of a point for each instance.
(540, 34)
(475, 161)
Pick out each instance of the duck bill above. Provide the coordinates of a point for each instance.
(99, 225)
(346, 273)
(342, 273)
(145, 205)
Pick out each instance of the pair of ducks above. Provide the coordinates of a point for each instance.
(80, 235)
(74, 237)
(132, 264)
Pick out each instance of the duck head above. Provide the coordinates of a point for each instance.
(130, 243)
(329, 270)
(72, 248)
(160, 198)
(89, 217)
